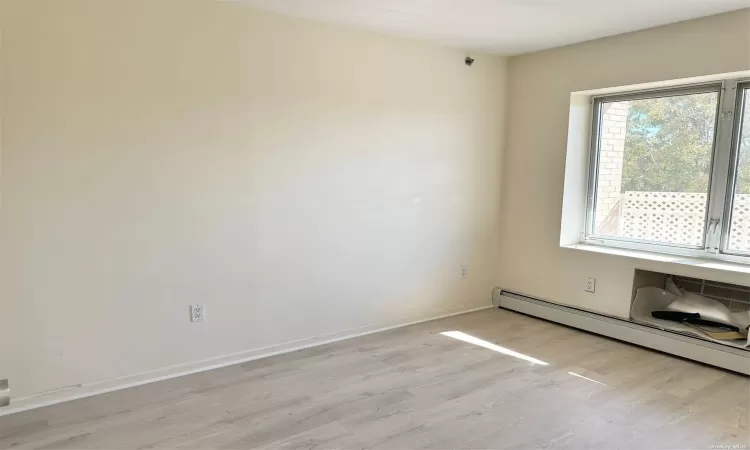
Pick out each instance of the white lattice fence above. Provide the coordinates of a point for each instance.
(673, 217)
(739, 235)
(678, 218)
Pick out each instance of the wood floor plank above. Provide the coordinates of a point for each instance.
(417, 388)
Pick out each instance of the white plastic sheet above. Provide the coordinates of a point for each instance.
(651, 299)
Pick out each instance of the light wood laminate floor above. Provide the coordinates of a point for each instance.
(417, 388)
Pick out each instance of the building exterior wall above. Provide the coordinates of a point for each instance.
(612, 151)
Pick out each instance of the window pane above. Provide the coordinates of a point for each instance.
(654, 168)
(739, 230)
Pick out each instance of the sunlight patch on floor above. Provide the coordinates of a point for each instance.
(586, 378)
(489, 345)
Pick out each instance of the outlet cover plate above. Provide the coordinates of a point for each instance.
(590, 285)
(197, 313)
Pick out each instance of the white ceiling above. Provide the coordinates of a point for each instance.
(501, 26)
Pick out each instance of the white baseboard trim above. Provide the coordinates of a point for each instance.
(734, 359)
(114, 384)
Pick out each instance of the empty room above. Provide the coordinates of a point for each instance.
(374, 224)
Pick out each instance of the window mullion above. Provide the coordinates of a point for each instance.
(737, 106)
(716, 228)
(593, 172)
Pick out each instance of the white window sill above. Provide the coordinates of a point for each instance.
(705, 263)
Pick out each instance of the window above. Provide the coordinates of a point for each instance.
(738, 214)
(670, 171)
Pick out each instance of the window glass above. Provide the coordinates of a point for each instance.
(739, 229)
(654, 168)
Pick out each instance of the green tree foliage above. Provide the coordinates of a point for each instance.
(669, 143)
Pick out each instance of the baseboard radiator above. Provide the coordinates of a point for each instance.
(4, 393)
(734, 359)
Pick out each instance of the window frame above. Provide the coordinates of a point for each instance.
(740, 109)
(722, 177)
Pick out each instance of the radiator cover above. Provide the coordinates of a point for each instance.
(734, 359)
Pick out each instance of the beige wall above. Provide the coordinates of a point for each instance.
(298, 178)
(539, 88)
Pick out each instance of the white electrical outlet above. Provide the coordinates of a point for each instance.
(464, 271)
(590, 285)
(197, 313)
